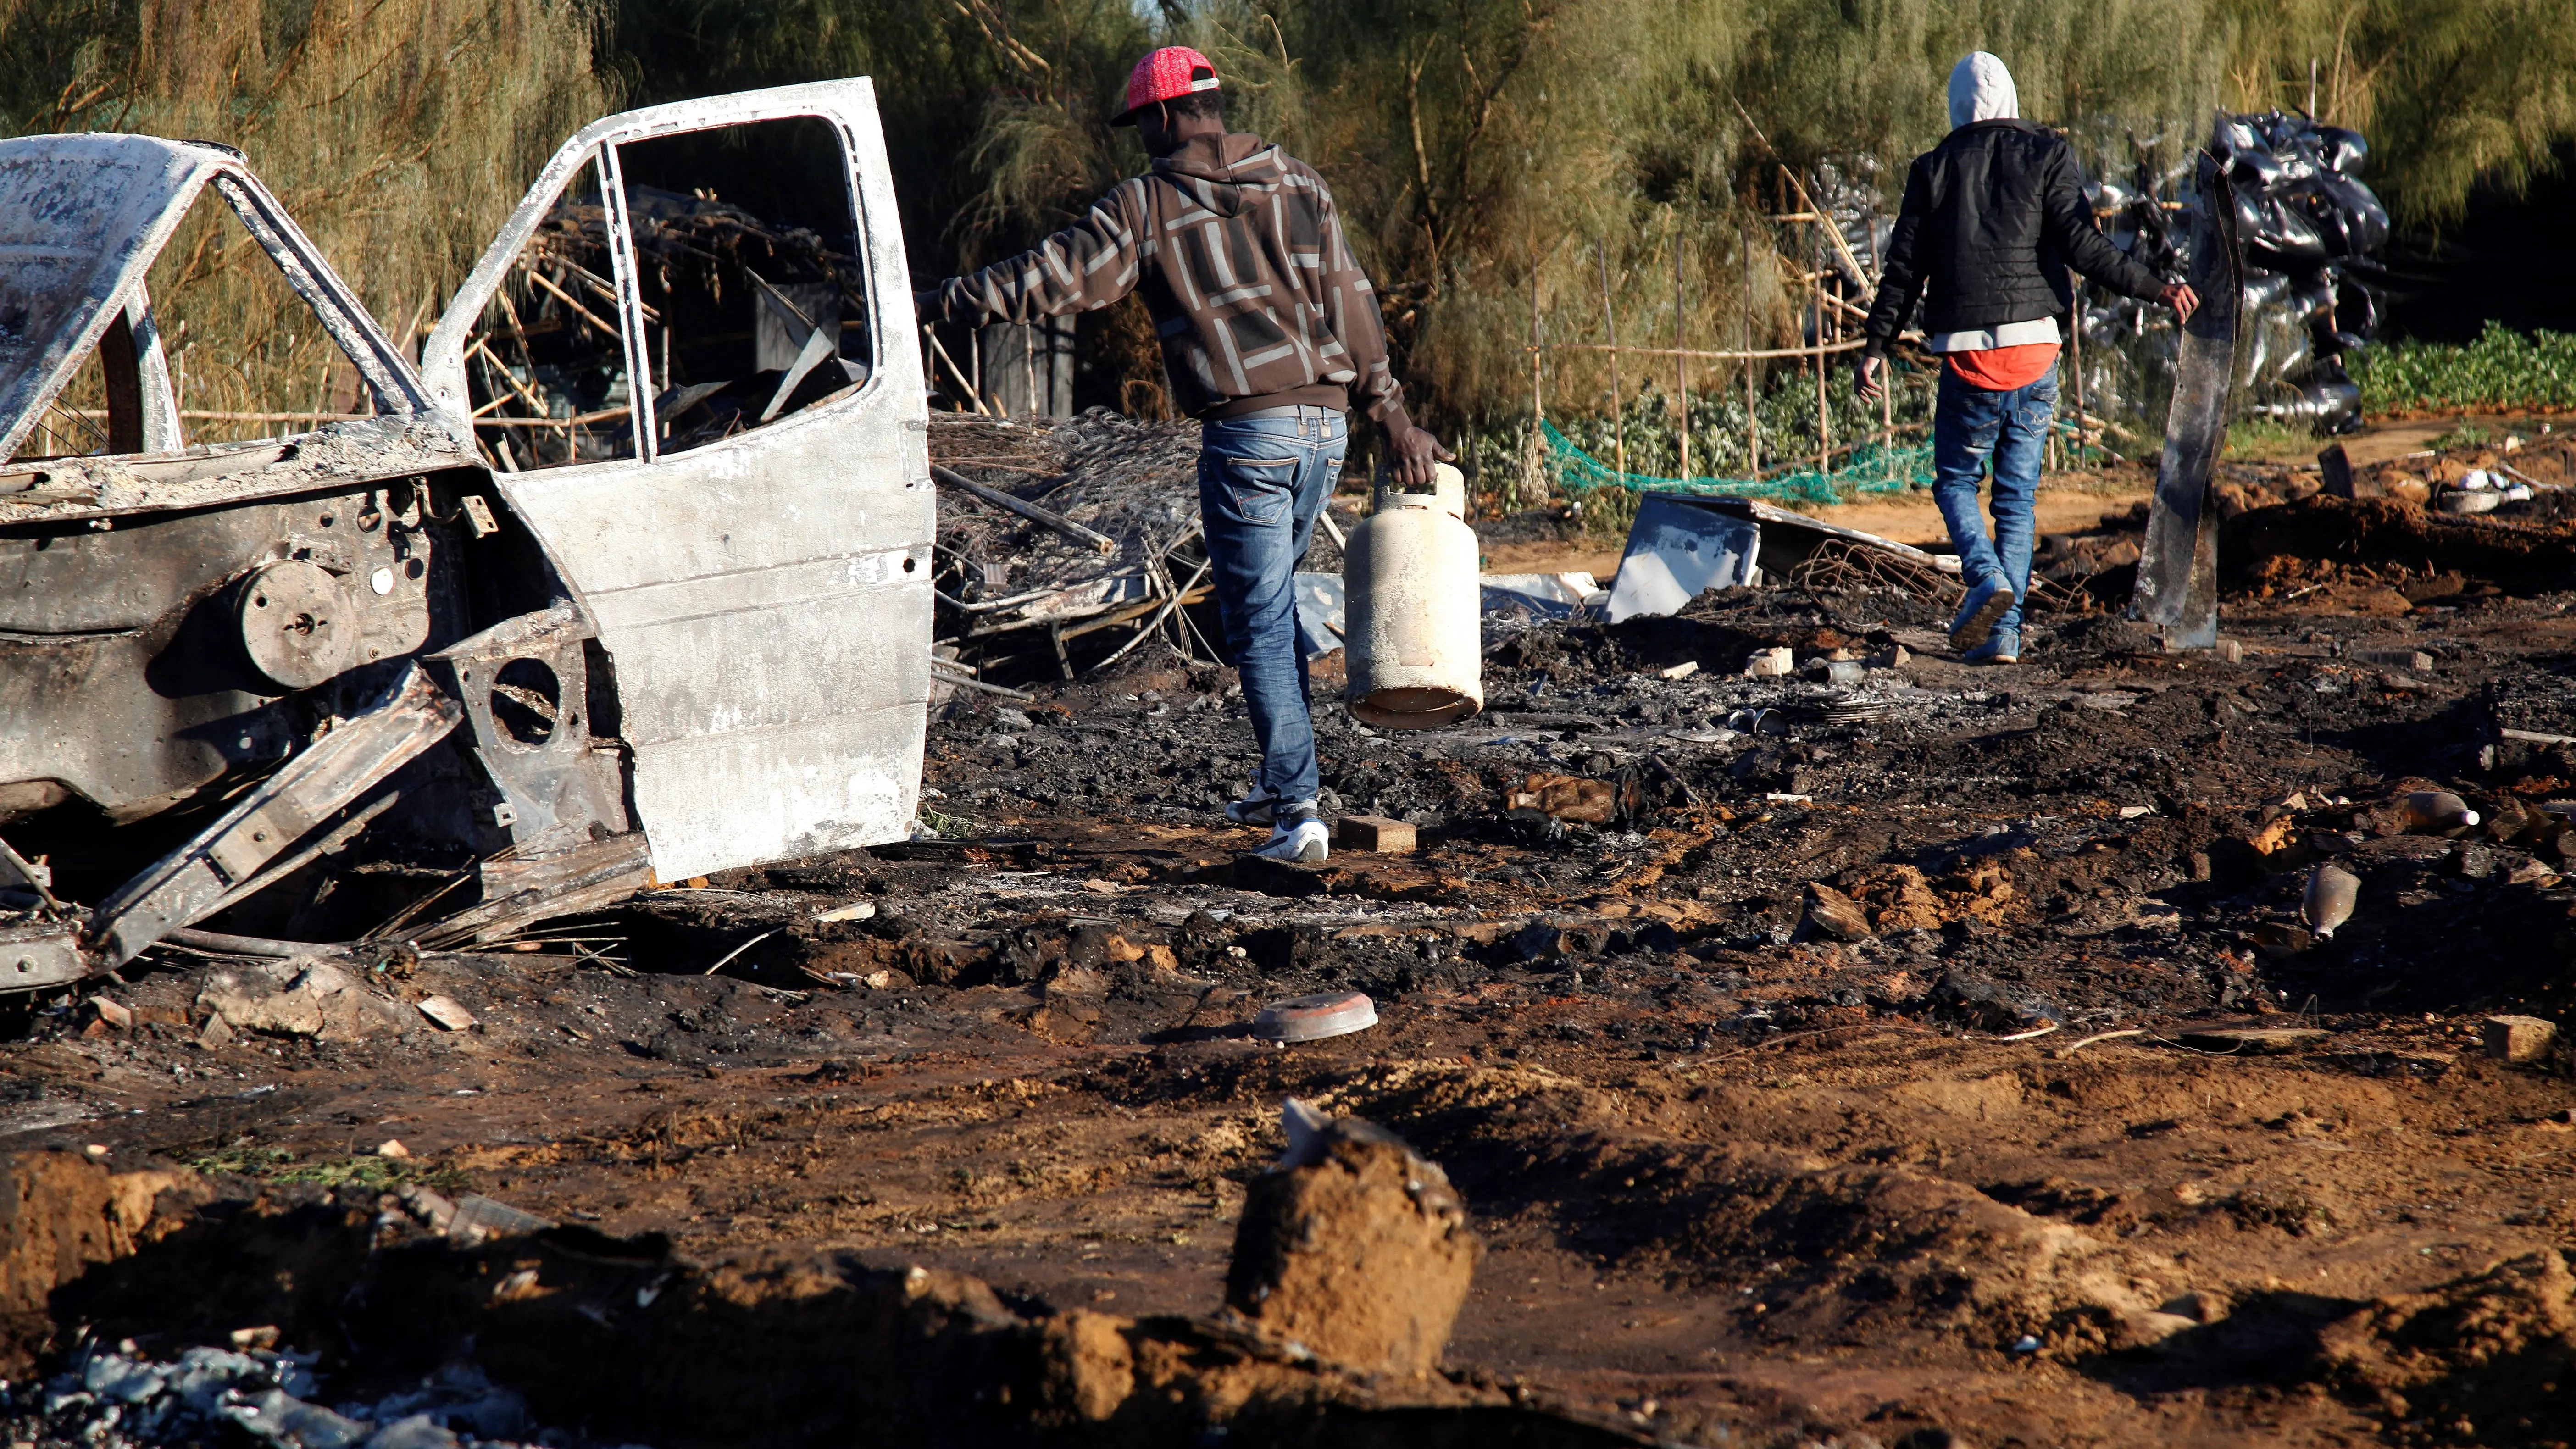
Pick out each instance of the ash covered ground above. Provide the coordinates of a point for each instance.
(1945, 1055)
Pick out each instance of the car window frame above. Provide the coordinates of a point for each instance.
(394, 388)
(625, 256)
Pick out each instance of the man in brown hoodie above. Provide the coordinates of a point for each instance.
(1270, 333)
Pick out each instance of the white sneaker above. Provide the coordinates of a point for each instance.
(1303, 839)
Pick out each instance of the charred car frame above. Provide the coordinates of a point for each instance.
(627, 576)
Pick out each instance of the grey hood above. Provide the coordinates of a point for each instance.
(1982, 90)
(1229, 174)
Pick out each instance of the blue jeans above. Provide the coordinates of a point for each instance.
(1263, 480)
(1969, 425)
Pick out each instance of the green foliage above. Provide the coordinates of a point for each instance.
(398, 132)
(1723, 447)
(1493, 158)
(1503, 160)
(368, 1172)
(996, 112)
(2262, 439)
(2501, 369)
(2449, 92)
(948, 827)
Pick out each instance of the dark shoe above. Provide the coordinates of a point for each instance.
(2003, 646)
(1987, 602)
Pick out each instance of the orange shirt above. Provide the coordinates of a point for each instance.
(2002, 369)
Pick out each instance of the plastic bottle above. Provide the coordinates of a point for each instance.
(2332, 893)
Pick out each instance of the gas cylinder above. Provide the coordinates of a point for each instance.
(1411, 592)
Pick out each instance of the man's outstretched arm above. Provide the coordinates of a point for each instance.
(1082, 268)
(1900, 286)
(2080, 240)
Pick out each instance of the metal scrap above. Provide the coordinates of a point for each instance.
(2310, 229)
(1079, 529)
(2177, 586)
(1044, 518)
(1683, 545)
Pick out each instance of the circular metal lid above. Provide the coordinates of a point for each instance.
(1312, 1018)
(297, 624)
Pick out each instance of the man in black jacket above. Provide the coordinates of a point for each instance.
(1992, 219)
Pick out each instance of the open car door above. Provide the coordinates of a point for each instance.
(688, 361)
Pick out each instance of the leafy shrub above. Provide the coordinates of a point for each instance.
(2502, 369)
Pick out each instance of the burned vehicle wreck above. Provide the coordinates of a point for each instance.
(627, 576)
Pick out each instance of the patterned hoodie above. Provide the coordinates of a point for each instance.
(1240, 254)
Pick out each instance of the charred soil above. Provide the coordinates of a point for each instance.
(1950, 1055)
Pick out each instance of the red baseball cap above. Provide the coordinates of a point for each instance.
(1166, 75)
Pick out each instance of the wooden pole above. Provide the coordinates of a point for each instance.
(1804, 350)
(2075, 358)
(1752, 402)
(1538, 395)
(1887, 420)
(1610, 323)
(1824, 418)
(1681, 362)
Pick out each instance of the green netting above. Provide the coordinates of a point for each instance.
(1866, 469)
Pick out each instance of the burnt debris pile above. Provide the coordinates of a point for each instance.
(1068, 544)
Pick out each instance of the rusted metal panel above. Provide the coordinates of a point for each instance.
(125, 669)
(358, 451)
(36, 954)
(556, 781)
(414, 714)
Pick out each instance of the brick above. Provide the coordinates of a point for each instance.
(1373, 833)
(2519, 1038)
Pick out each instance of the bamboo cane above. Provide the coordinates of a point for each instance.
(1824, 350)
(1824, 417)
(1610, 324)
(1538, 357)
(1752, 402)
(1681, 363)
(2075, 358)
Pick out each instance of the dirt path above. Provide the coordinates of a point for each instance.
(2067, 504)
